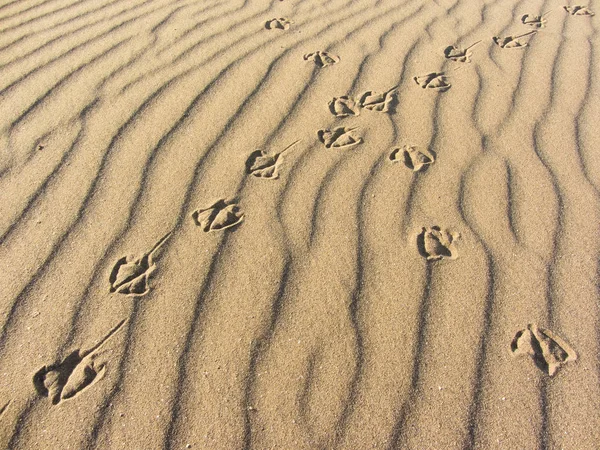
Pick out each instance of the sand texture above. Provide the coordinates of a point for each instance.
(299, 224)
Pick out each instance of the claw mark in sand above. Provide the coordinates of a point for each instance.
(322, 59)
(262, 165)
(219, 216)
(130, 275)
(548, 351)
(535, 21)
(340, 137)
(436, 81)
(343, 106)
(578, 10)
(434, 243)
(413, 158)
(73, 374)
(459, 54)
(513, 41)
(278, 24)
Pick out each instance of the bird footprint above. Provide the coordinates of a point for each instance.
(278, 24)
(513, 41)
(322, 59)
(413, 158)
(549, 352)
(534, 21)
(578, 10)
(219, 216)
(262, 165)
(131, 274)
(459, 54)
(373, 101)
(436, 81)
(344, 106)
(340, 137)
(73, 374)
(434, 243)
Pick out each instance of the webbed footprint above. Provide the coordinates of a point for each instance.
(66, 379)
(340, 137)
(322, 59)
(459, 54)
(513, 41)
(262, 165)
(534, 21)
(548, 351)
(579, 10)
(131, 275)
(278, 24)
(435, 81)
(343, 106)
(379, 101)
(413, 158)
(434, 243)
(221, 215)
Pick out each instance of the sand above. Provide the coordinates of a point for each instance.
(285, 224)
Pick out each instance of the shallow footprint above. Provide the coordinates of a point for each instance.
(413, 158)
(322, 59)
(262, 165)
(343, 106)
(513, 41)
(548, 351)
(436, 81)
(340, 137)
(379, 101)
(579, 10)
(534, 21)
(434, 243)
(459, 54)
(66, 379)
(130, 275)
(278, 24)
(219, 216)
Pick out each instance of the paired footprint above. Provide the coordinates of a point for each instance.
(578, 10)
(131, 274)
(280, 23)
(221, 215)
(413, 158)
(322, 59)
(385, 102)
(436, 81)
(340, 137)
(548, 351)
(436, 244)
(78, 371)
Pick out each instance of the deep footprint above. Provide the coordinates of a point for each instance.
(322, 59)
(379, 101)
(278, 24)
(131, 275)
(219, 216)
(435, 244)
(514, 41)
(435, 81)
(579, 10)
(343, 106)
(73, 374)
(262, 165)
(340, 137)
(413, 158)
(459, 54)
(548, 351)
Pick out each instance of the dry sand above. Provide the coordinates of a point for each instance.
(418, 270)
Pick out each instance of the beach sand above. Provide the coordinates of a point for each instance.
(285, 224)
